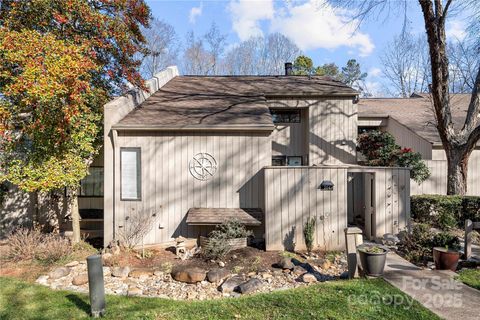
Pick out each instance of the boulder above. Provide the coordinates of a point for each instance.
(59, 273)
(250, 286)
(217, 275)
(79, 280)
(72, 264)
(231, 284)
(141, 273)
(299, 270)
(42, 280)
(309, 278)
(120, 272)
(189, 274)
(286, 263)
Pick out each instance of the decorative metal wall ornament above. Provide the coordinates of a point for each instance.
(202, 166)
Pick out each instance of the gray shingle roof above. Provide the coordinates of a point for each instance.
(415, 113)
(225, 101)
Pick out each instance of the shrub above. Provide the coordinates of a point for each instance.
(417, 246)
(447, 240)
(308, 233)
(26, 244)
(136, 228)
(231, 229)
(217, 246)
(380, 149)
(445, 212)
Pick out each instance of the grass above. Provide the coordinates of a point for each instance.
(471, 277)
(22, 300)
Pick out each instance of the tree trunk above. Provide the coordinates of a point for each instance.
(457, 159)
(75, 214)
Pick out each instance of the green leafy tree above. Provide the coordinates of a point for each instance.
(303, 65)
(61, 61)
(380, 149)
(352, 73)
(329, 70)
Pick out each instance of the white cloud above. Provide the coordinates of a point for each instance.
(311, 25)
(455, 30)
(315, 24)
(246, 16)
(195, 12)
(374, 72)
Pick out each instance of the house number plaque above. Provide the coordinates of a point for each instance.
(202, 166)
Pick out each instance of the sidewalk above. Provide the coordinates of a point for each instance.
(434, 289)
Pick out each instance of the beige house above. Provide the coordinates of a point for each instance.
(411, 121)
(271, 151)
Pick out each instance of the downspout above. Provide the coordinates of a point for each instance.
(114, 144)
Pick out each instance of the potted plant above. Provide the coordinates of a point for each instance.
(446, 251)
(372, 259)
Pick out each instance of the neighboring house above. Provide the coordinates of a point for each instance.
(271, 151)
(411, 121)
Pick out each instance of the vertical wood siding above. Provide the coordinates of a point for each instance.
(406, 138)
(292, 195)
(437, 182)
(169, 190)
(291, 139)
(333, 131)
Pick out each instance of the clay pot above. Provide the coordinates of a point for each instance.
(445, 259)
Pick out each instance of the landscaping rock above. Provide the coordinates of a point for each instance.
(59, 273)
(250, 286)
(158, 273)
(309, 278)
(134, 291)
(286, 263)
(327, 264)
(79, 280)
(221, 264)
(231, 284)
(107, 272)
(72, 264)
(138, 273)
(217, 275)
(42, 280)
(189, 274)
(120, 272)
(299, 270)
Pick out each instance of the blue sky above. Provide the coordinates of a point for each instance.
(320, 32)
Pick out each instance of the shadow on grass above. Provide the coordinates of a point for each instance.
(82, 305)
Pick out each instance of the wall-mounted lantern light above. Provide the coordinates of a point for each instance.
(326, 185)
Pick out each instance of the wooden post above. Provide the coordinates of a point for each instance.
(468, 238)
(353, 238)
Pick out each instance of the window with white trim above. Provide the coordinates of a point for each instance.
(130, 174)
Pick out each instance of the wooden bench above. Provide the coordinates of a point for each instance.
(215, 216)
(469, 227)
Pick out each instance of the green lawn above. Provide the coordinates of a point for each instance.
(471, 277)
(21, 300)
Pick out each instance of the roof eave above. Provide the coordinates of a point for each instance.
(230, 128)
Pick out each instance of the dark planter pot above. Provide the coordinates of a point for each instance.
(445, 259)
(372, 263)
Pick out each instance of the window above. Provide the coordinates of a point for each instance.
(294, 161)
(285, 116)
(130, 174)
(278, 160)
(287, 161)
(92, 184)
